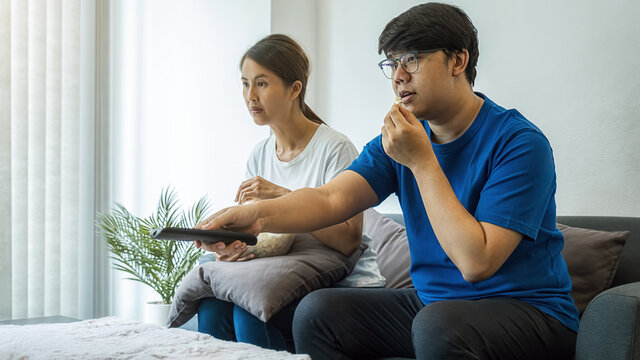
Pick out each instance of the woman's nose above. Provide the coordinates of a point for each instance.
(251, 94)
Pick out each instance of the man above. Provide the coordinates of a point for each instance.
(476, 184)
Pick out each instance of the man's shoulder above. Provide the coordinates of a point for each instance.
(508, 123)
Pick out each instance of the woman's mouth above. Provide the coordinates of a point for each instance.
(255, 110)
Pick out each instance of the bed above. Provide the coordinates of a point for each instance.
(114, 338)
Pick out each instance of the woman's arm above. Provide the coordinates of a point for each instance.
(344, 237)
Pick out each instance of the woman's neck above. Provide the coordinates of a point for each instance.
(292, 135)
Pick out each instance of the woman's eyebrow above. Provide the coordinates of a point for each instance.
(256, 77)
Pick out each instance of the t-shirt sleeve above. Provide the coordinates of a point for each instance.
(340, 158)
(377, 168)
(520, 185)
(252, 164)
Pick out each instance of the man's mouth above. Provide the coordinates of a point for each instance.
(405, 95)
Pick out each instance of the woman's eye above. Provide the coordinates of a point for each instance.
(261, 83)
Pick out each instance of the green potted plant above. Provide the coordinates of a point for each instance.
(160, 264)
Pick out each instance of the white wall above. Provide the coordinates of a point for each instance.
(571, 67)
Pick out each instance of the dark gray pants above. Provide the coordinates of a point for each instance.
(373, 323)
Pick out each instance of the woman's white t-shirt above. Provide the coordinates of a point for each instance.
(326, 155)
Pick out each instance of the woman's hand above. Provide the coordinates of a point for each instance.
(230, 253)
(258, 188)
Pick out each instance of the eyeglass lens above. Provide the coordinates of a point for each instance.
(409, 63)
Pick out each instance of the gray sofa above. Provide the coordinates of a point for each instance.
(609, 328)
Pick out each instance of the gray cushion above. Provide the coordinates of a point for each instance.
(608, 326)
(263, 286)
(389, 241)
(592, 259)
(628, 269)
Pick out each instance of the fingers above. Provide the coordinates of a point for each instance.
(211, 223)
(245, 184)
(234, 257)
(247, 258)
(237, 247)
(232, 252)
(408, 115)
(246, 196)
(249, 190)
(396, 117)
(388, 122)
(213, 247)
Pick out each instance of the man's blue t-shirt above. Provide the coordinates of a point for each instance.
(502, 171)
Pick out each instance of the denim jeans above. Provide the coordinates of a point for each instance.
(227, 321)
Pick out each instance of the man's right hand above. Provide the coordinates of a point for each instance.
(243, 218)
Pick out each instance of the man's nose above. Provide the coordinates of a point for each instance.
(400, 75)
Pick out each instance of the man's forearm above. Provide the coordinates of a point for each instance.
(301, 211)
(458, 232)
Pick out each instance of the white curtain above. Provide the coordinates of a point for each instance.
(176, 105)
(47, 127)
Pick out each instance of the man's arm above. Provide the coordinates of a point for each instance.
(303, 210)
(478, 249)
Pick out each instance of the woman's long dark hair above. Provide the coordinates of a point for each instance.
(285, 58)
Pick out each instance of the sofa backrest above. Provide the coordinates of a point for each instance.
(629, 265)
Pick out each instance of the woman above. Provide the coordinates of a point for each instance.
(301, 152)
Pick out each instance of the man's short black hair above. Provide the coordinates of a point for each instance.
(431, 26)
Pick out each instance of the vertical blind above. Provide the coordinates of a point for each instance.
(46, 230)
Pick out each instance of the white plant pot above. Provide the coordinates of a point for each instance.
(156, 312)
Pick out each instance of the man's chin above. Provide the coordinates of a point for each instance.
(416, 112)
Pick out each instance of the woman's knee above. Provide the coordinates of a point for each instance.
(215, 317)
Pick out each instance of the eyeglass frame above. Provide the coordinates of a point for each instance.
(397, 60)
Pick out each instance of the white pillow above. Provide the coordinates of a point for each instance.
(366, 272)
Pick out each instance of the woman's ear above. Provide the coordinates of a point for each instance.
(295, 89)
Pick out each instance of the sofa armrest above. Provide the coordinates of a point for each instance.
(610, 326)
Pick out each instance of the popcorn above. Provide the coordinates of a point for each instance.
(398, 100)
(270, 245)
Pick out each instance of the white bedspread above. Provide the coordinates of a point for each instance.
(113, 338)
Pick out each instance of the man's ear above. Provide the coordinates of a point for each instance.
(295, 89)
(459, 61)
